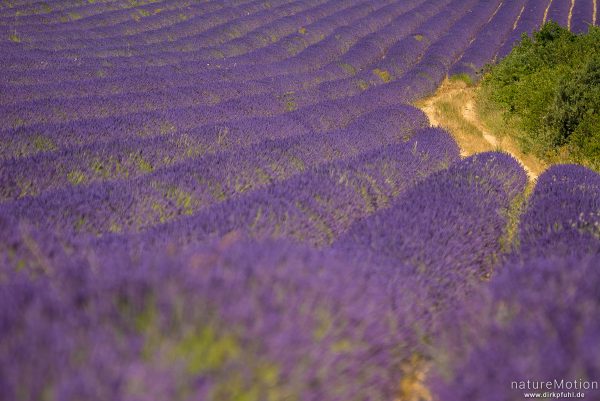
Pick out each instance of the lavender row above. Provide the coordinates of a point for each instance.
(424, 78)
(535, 320)
(400, 57)
(309, 32)
(318, 206)
(104, 130)
(559, 12)
(109, 70)
(358, 69)
(531, 19)
(382, 41)
(369, 179)
(193, 65)
(152, 135)
(318, 117)
(204, 22)
(207, 32)
(487, 43)
(583, 16)
(449, 227)
(285, 32)
(563, 213)
(536, 323)
(90, 72)
(171, 145)
(386, 36)
(211, 21)
(96, 23)
(270, 158)
(102, 17)
(80, 108)
(61, 26)
(338, 43)
(319, 39)
(113, 85)
(111, 324)
(245, 75)
(443, 236)
(47, 16)
(212, 28)
(143, 83)
(15, 113)
(447, 50)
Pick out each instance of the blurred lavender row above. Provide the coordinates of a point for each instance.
(537, 320)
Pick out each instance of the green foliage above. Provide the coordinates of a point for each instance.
(575, 112)
(76, 177)
(205, 350)
(383, 75)
(349, 68)
(466, 78)
(550, 86)
(41, 143)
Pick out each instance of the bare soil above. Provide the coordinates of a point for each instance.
(454, 108)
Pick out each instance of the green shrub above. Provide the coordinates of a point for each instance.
(576, 101)
(466, 78)
(550, 86)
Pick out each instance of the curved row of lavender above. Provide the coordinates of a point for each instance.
(235, 200)
(237, 320)
(271, 319)
(537, 321)
(240, 318)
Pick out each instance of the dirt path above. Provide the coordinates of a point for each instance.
(570, 14)
(453, 108)
(518, 18)
(546, 12)
(468, 112)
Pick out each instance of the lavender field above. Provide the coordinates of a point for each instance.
(236, 200)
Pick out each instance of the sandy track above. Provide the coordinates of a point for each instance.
(470, 114)
(570, 14)
(453, 108)
(546, 12)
